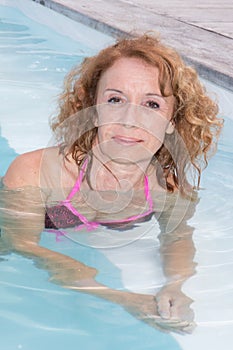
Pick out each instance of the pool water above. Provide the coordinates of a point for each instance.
(36, 314)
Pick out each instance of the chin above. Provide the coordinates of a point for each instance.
(126, 155)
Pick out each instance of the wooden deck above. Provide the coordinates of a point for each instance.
(202, 31)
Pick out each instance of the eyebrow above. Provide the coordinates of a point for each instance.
(154, 94)
(119, 91)
(148, 94)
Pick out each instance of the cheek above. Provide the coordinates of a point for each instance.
(154, 140)
(103, 133)
(155, 134)
(154, 124)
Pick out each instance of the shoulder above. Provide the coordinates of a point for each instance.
(24, 170)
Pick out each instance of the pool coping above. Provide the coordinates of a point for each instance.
(209, 52)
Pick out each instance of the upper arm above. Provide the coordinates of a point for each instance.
(174, 221)
(24, 171)
(22, 214)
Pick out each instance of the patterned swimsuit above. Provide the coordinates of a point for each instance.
(65, 215)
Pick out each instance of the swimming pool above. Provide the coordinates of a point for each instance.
(43, 315)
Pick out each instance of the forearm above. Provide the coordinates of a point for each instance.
(176, 239)
(68, 272)
(178, 258)
(177, 252)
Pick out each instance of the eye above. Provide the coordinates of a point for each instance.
(115, 100)
(152, 104)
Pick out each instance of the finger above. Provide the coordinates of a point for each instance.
(175, 325)
(181, 311)
(190, 328)
(178, 325)
(165, 324)
(164, 305)
(180, 328)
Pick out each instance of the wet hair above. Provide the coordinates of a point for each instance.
(195, 117)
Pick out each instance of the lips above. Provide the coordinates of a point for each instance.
(126, 140)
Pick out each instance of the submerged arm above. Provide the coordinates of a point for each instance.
(177, 253)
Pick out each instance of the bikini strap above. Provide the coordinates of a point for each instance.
(78, 183)
(147, 193)
(90, 225)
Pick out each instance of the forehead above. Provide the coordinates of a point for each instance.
(130, 70)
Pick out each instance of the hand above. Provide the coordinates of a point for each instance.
(145, 308)
(173, 304)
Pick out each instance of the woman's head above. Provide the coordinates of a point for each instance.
(193, 114)
(132, 115)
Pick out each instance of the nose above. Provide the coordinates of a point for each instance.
(130, 117)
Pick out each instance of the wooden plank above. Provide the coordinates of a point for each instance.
(202, 15)
(209, 52)
(225, 29)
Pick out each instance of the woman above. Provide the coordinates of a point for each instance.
(133, 120)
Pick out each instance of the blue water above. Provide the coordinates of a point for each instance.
(34, 313)
(34, 60)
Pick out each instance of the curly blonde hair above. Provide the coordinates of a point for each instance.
(195, 113)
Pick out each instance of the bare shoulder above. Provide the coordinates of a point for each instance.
(24, 170)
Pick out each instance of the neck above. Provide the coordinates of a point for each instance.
(113, 175)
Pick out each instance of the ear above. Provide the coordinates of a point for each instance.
(95, 122)
(170, 128)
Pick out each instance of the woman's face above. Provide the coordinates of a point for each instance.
(133, 116)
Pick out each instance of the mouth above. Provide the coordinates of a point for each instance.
(124, 140)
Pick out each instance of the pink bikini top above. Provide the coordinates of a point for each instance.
(65, 215)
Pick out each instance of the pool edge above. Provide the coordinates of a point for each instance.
(213, 72)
